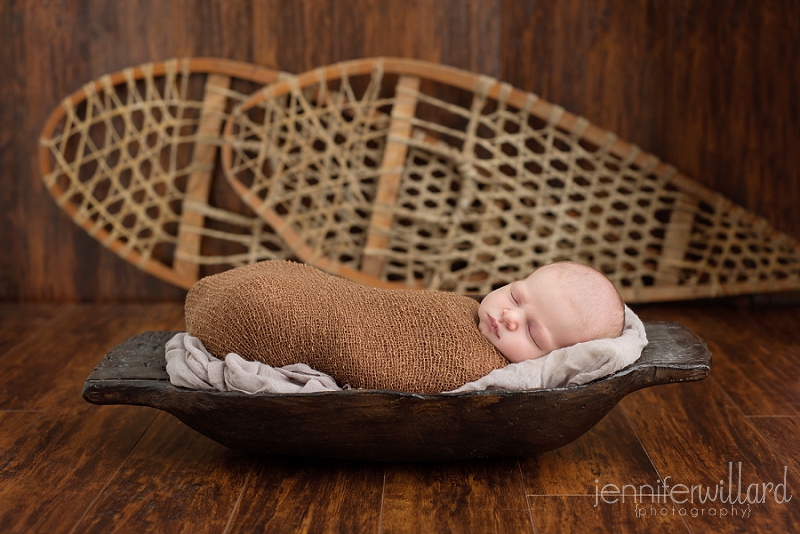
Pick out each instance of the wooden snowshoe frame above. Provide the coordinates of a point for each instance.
(393, 173)
(130, 157)
(403, 173)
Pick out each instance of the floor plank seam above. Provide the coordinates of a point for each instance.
(586, 495)
(757, 431)
(48, 323)
(769, 442)
(525, 494)
(558, 495)
(530, 513)
(111, 478)
(649, 458)
(744, 415)
(239, 500)
(772, 416)
(5, 461)
(383, 499)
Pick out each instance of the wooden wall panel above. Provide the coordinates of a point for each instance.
(709, 87)
(732, 109)
(604, 60)
(298, 36)
(10, 189)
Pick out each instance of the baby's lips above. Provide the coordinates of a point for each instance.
(493, 326)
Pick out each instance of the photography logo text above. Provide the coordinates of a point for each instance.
(732, 496)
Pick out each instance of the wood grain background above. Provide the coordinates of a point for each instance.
(711, 87)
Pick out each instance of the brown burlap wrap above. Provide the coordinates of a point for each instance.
(281, 312)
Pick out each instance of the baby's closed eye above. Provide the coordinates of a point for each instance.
(531, 334)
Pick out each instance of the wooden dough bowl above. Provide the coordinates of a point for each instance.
(392, 425)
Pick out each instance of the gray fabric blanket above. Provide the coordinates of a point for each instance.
(190, 365)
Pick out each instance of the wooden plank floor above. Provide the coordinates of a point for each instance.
(68, 466)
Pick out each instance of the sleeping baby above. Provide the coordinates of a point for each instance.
(559, 305)
(281, 313)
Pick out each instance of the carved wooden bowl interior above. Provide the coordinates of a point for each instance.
(391, 425)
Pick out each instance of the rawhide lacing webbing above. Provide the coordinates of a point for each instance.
(496, 183)
(123, 155)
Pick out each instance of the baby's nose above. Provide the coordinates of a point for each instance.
(510, 318)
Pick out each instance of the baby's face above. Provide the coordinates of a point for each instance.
(529, 318)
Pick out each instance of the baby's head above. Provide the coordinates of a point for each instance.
(557, 306)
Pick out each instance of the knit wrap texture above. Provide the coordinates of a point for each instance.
(280, 312)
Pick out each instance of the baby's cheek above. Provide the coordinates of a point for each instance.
(482, 329)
